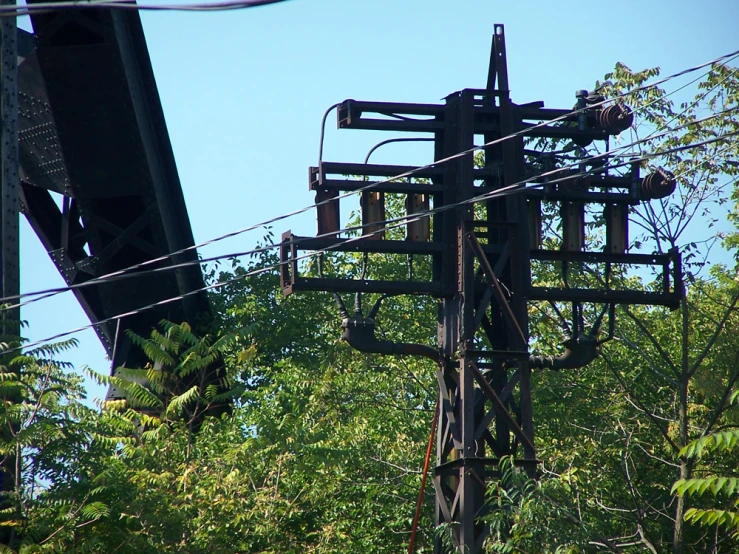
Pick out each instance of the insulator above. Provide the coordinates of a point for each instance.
(328, 212)
(573, 184)
(659, 184)
(573, 226)
(419, 230)
(616, 217)
(615, 118)
(373, 214)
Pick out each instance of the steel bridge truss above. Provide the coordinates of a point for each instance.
(98, 181)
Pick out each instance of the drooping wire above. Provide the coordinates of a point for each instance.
(46, 293)
(51, 7)
(406, 174)
(697, 100)
(396, 222)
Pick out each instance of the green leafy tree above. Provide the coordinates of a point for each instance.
(615, 429)
(722, 488)
(323, 448)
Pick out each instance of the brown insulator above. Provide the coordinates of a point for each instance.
(573, 226)
(328, 212)
(659, 184)
(373, 214)
(616, 217)
(418, 230)
(574, 184)
(616, 118)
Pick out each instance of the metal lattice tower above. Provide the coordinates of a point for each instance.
(482, 256)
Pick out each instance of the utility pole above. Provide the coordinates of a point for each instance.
(9, 187)
(482, 232)
(9, 255)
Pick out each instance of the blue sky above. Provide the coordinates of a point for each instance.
(244, 91)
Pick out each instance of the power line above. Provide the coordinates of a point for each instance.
(50, 7)
(46, 293)
(396, 222)
(409, 173)
(697, 100)
(127, 271)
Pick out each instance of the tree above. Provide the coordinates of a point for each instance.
(615, 429)
(718, 486)
(324, 447)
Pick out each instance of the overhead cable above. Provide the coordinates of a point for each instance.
(51, 7)
(396, 222)
(409, 173)
(613, 153)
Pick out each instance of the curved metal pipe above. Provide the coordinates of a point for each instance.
(579, 352)
(342, 308)
(359, 332)
(362, 337)
(397, 139)
(323, 131)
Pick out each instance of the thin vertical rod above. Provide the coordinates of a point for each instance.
(419, 502)
(9, 188)
(9, 257)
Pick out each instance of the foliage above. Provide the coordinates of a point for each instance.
(323, 448)
(184, 380)
(719, 486)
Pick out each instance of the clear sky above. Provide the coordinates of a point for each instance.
(244, 91)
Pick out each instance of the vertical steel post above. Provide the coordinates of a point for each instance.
(463, 436)
(9, 188)
(520, 261)
(9, 200)
(472, 478)
(460, 471)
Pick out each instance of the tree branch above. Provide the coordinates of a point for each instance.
(714, 336)
(650, 363)
(654, 341)
(641, 406)
(724, 397)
